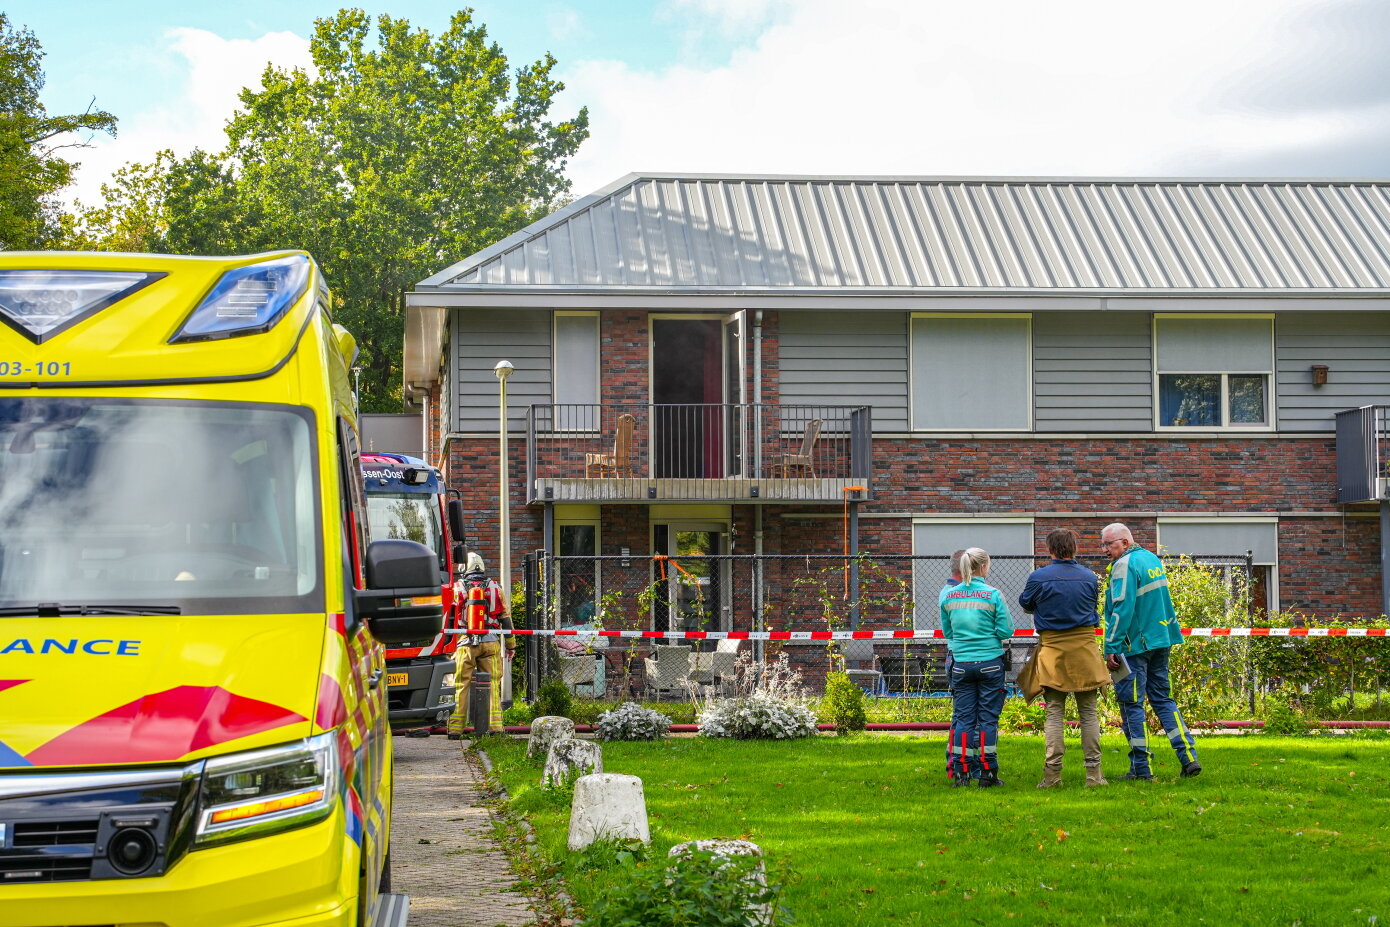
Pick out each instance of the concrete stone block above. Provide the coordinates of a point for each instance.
(570, 758)
(544, 731)
(759, 915)
(608, 805)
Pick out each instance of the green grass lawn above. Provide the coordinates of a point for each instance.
(1275, 831)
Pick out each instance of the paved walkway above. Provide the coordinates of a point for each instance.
(443, 853)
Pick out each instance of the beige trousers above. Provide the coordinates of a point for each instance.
(488, 658)
(1053, 728)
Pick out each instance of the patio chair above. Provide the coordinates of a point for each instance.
(584, 674)
(856, 654)
(715, 667)
(619, 462)
(668, 668)
(783, 465)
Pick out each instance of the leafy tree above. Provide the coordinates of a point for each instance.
(132, 216)
(30, 170)
(394, 160)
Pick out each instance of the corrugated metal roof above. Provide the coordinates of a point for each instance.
(688, 233)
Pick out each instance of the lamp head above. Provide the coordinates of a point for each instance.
(503, 369)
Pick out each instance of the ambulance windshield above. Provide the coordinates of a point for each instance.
(207, 506)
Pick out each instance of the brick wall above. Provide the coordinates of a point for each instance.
(1327, 564)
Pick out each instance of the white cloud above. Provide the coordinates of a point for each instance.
(213, 71)
(1004, 87)
(565, 24)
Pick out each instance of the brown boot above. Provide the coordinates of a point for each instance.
(1052, 778)
(1095, 777)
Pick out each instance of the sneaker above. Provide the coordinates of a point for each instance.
(1191, 769)
(989, 782)
(959, 781)
(1050, 780)
(1147, 777)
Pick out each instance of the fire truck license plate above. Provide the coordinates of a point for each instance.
(397, 679)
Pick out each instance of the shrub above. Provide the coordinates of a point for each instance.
(630, 721)
(1281, 717)
(758, 716)
(1022, 717)
(769, 703)
(700, 889)
(843, 705)
(553, 700)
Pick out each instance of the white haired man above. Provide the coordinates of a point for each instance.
(1141, 624)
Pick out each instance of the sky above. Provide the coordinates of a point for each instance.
(1106, 88)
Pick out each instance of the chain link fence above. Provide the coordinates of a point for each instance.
(747, 592)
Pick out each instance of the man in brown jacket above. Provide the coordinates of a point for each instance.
(1062, 597)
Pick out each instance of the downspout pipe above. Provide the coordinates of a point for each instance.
(758, 469)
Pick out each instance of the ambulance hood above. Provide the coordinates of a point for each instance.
(121, 690)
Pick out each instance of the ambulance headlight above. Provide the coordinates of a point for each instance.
(262, 792)
(247, 300)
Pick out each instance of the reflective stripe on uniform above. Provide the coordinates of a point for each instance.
(1184, 744)
(1150, 587)
(1119, 571)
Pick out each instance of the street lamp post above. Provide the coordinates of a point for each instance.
(503, 370)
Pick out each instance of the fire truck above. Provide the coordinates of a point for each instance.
(406, 499)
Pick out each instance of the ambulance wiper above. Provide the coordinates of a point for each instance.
(55, 610)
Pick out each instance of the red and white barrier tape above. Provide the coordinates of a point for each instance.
(911, 634)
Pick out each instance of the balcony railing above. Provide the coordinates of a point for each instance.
(755, 452)
(1363, 451)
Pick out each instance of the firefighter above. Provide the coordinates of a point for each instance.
(486, 616)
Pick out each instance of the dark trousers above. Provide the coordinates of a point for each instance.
(1149, 680)
(977, 697)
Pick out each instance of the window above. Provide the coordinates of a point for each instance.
(971, 372)
(999, 537)
(576, 371)
(1213, 371)
(1229, 537)
(577, 572)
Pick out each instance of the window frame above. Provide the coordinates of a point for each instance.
(581, 519)
(1226, 426)
(927, 600)
(1271, 583)
(555, 365)
(1029, 424)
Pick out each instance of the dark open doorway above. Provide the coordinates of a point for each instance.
(687, 388)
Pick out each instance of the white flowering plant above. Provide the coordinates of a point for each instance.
(769, 704)
(631, 721)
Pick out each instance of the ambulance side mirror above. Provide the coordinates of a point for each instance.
(399, 574)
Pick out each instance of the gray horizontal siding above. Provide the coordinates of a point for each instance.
(1355, 346)
(479, 339)
(1092, 372)
(845, 359)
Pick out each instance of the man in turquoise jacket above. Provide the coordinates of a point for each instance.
(1141, 624)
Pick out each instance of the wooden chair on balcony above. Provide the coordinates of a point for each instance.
(618, 463)
(784, 465)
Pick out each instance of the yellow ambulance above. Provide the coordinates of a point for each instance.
(192, 678)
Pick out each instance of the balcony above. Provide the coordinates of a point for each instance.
(752, 453)
(1363, 452)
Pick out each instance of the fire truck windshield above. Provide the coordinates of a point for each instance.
(208, 506)
(407, 516)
